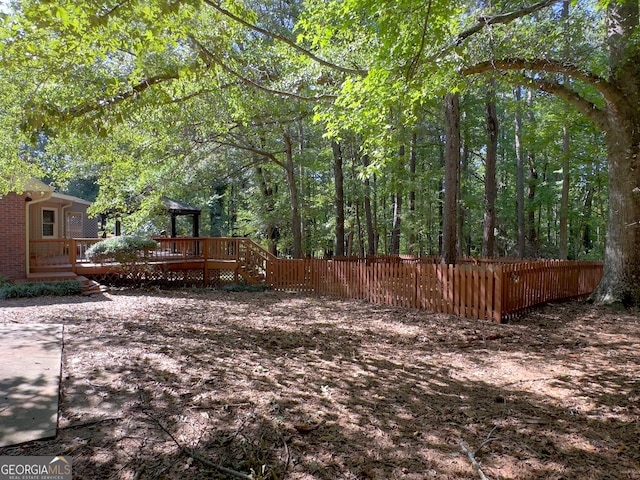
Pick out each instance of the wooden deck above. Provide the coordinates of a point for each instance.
(213, 260)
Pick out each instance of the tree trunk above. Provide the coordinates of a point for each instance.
(394, 247)
(534, 249)
(338, 178)
(368, 214)
(621, 280)
(490, 186)
(271, 230)
(519, 174)
(587, 241)
(563, 246)
(452, 166)
(296, 223)
(464, 238)
(413, 157)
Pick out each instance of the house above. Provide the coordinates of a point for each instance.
(39, 216)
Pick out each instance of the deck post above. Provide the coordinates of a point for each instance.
(205, 259)
(73, 254)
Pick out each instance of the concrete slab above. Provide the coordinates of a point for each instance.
(30, 362)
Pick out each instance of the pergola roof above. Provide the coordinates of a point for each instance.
(178, 208)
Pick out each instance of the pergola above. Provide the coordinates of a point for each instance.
(175, 208)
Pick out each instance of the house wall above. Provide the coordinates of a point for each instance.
(13, 249)
(35, 219)
(89, 225)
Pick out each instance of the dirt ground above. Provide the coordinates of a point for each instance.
(197, 384)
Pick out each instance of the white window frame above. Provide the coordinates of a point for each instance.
(54, 224)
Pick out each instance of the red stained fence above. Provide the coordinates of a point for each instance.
(489, 289)
(476, 289)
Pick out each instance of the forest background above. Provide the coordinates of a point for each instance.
(351, 127)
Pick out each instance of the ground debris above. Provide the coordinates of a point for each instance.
(278, 385)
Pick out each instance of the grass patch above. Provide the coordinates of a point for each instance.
(27, 290)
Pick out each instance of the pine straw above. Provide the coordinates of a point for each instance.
(202, 384)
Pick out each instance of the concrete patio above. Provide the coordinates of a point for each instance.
(30, 362)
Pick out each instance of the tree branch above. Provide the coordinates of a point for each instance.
(606, 89)
(285, 40)
(584, 106)
(502, 19)
(587, 108)
(80, 110)
(215, 59)
(416, 58)
(252, 149)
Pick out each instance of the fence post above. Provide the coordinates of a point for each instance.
(497, 297)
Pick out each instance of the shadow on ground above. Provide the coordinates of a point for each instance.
(178, 384)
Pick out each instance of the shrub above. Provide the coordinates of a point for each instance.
(120, 249)
(21, 290)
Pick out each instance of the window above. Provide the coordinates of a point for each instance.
(48, 223)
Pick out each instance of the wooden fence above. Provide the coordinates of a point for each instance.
(475, 289)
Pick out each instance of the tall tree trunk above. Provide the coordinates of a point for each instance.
(413, 158)
(490, 186)
(463, 241)
(368, 213)
(271, 230)
(587, 241)
(452, 166)
(534, 250)
(519, 174)
(563, 246)
(338, 178)
(563, 242)
(621, 280)
(394, 246)
(296, 223)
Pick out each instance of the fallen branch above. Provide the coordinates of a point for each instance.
(472, 455)
(196, 456)
(89, 423)
(474, 462)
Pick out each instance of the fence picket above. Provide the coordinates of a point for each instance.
(479, 290)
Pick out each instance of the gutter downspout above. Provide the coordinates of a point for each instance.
(45, 196)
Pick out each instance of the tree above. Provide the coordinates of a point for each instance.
(452, 167)
(523, 45)
(617, 115)
(490, 189)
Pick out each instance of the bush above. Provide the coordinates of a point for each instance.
(22, 290)
(120, 249)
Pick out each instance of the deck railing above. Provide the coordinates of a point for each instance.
(243, 253)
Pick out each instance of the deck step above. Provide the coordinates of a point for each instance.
(63, 267)
(91, 287)
(51, 276)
